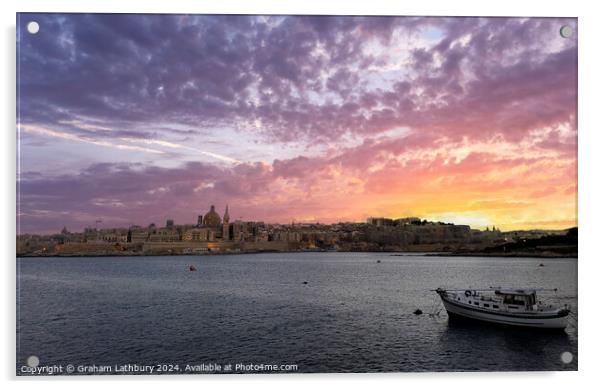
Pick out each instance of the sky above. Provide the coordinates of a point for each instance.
(133, 119)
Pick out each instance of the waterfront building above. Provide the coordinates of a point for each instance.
(196, 235)
(211, 235)
(164, 235)
(114, 236)
(262, 236)
(137, 234)
(239, 231)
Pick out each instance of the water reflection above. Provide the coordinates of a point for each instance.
(504, 347)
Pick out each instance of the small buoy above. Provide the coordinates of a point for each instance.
(378, 261)
(305, 282)
(418, 312)
(192, 268)
(541, 265)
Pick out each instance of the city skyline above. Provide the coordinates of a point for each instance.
(196, 220)
(135, 119)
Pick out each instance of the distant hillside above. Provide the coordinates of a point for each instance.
(549, 245)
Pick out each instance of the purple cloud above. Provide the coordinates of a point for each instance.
(186, 82)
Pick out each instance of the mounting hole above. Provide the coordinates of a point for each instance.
(566, 357)
(33, 361)
(566, 31)
(33, 27)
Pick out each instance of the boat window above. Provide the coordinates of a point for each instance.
(486, 305)
(512, 307)
(469, 302)
(516, 300)
(496, 306)
(475, 303)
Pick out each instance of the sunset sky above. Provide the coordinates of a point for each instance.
(134, 119)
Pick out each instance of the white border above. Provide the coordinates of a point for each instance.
(590, 161)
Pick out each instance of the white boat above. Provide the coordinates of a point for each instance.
(514, 307)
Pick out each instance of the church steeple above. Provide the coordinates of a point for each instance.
(226, 216)
(226, 226)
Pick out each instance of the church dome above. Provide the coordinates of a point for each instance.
(211, 218)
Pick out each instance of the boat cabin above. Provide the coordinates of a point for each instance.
(518, 299)
(510, 300)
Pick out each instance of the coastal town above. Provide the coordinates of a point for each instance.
(215, 234)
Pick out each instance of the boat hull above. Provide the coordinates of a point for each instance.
(552, 321)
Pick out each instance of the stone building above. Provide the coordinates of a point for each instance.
(164, 235)
(137, 234)
(239, 231)
(202, 234)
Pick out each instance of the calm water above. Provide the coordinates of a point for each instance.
(353, 315)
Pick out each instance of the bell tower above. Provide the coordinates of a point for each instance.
(226, 225)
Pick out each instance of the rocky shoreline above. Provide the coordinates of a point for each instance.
(505, 255)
